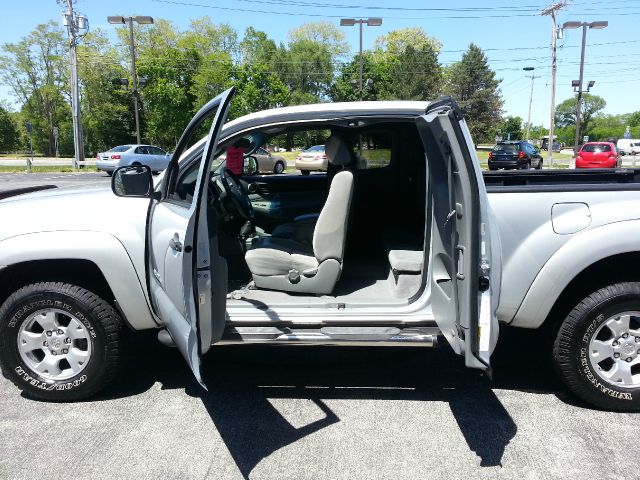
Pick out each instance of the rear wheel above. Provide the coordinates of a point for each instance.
(597, 348)
(539, 166)
(279, 168)
(59, 342)
(110, 173)
(305, 172)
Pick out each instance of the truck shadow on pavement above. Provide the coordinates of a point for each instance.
(243, 382)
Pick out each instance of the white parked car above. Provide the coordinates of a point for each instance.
(628, 146)
(124, 155)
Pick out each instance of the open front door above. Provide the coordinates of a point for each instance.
(187, 277)
(461, 273)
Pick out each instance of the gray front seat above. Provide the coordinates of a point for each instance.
(301, 229)
(291, 266)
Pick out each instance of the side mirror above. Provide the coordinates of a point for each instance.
(132, 181)
(250, 165)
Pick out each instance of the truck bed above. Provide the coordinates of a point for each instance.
(562, 180)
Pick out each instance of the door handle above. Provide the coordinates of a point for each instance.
(175, 243)
(460, 273)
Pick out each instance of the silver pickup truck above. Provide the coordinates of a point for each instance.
(401, 242)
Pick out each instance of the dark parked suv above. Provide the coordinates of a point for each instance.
(516, 154)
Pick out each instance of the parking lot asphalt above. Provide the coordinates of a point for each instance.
(320, 413)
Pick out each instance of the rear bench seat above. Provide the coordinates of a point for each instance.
(405, 252)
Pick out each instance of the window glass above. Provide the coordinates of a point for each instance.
(186, 179)
(121, 148)
(156, 151)
(373, 150)
(506, 148)
(142, 150)
(596, 148)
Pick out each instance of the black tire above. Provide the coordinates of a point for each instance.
(278, 168)
(571, 347)
(539, 165)
(110, 173)
(102, 322)
(305, 172)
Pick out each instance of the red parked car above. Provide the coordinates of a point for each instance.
(598, 155)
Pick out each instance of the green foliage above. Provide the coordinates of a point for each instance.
(511, 128)
(415, 74)
(324, 34)
(396, 41)
(36, 70)
(591, 106)
(473, 85)
(9, 136)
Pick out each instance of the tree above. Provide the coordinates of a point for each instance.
(566, 111)
(345, 88)
(326, 34)
(511, 128)
(415, 74)
(36, 70)
(396, 41)
(9, 136)
(474, 86)
(107, 115)
(633, 119)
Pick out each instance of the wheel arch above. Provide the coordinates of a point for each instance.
(95, 261)
(591, 260)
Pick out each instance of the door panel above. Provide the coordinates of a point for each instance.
(460, 256)
(188, 278)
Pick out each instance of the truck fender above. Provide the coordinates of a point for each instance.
(104, 250)
(568, 261)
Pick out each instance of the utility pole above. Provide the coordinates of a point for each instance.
(551, 10)
(142, 20)
(77, 26)
(533, 77)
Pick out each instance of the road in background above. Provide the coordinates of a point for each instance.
(12, 181)
(321, 413)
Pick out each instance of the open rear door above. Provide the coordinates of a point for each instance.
(187, 276)
(461, 273)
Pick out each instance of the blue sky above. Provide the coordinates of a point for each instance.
(511, 33)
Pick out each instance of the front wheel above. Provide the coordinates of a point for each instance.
(59, 342)
(597, 348)
(539, 166)
(305, 172)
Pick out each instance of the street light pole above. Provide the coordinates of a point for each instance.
(372, 22)
(533, 77)
(134, 77)
(142, 20)
(584, 25)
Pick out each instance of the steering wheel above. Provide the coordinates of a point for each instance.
(236, 195)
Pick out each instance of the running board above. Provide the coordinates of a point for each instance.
(363, 336)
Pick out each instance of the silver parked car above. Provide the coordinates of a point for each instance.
(260, 161)
(312, 159)
(268, 163)
(154, 157)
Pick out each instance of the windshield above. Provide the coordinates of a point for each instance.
(506, 147)
(596, 148)
(315, 148)
(121, 148)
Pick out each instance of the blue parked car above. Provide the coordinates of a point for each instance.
(154, 157)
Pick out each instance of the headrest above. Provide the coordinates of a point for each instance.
(337, 151)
